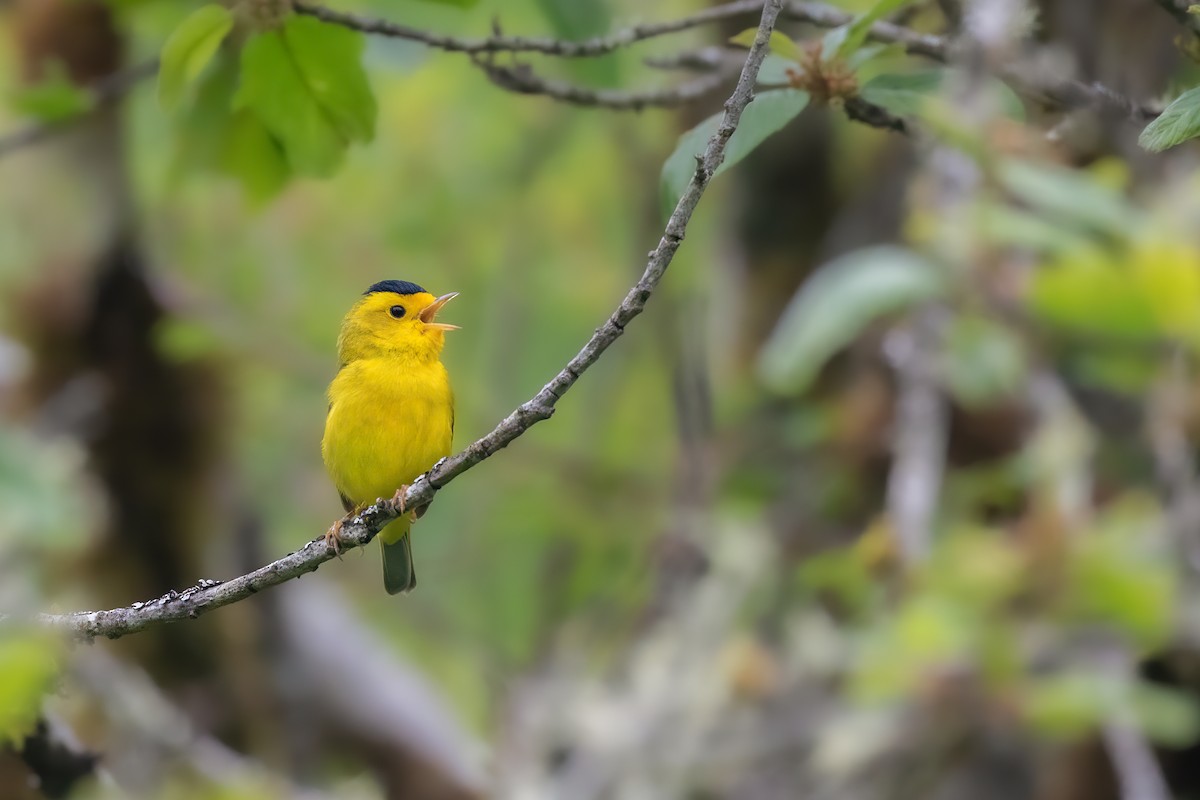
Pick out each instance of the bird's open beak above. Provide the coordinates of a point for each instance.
(429, 313)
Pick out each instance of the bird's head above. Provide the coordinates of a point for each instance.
(394, 318)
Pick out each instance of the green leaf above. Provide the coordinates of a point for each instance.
(250, 154)
(874, 59)
(54, 99)
(189, 49)
(234, 143)
(779, 44)
(903, 93)
(1000, 223)
(774, 71)
(330, 60)
(1177, 123)
(306, 84)
(906, 93)
(841, 299)
(1067, 196)
(842, 41)
(766, 114)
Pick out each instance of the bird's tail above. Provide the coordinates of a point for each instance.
(398, 573)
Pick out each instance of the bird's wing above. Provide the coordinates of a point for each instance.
(347, 503)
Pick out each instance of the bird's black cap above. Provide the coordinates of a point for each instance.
(399, 287)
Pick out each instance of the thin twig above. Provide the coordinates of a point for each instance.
(522, 80)
(818, 14)
(921, 432)
(1073, 94)
(528, 44)
(361, 529)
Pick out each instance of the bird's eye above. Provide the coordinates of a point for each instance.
(396, 311)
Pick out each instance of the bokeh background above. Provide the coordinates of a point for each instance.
(694, 580)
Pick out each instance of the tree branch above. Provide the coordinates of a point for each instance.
(818, 14)
(1067, 94)
(521, 79)
(590, 48)
(361, 529)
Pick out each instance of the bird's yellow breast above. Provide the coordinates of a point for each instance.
(389, 421)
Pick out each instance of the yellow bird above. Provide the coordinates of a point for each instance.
(391, 410)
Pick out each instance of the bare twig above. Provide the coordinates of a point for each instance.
(522, 80)
(921, 431)
(818, 14)
(1076, 94)
(361, 529)
(526, 44)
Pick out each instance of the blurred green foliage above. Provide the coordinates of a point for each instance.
(1179, 122)
(53, 99)
(431, 174)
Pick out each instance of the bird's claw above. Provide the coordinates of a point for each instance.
(333, 537)
(399, 499)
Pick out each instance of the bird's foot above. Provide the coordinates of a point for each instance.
(333, 537)
(399, 500)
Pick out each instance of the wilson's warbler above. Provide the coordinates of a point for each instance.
(391, 410)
